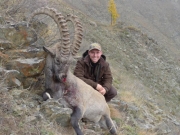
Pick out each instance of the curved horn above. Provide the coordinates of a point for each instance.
(77, 35)
(64, 49)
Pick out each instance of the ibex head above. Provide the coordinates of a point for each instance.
(63, 50)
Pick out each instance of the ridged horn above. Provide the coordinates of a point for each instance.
(64, 48)
(78, 33)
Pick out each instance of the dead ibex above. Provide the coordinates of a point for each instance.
(60, 82)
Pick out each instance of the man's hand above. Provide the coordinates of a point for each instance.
(100, 89)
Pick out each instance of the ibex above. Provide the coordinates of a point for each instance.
(85, 101)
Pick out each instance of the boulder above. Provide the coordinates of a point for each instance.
(21, 51)
(10, 78)
(27, 67)
(54, 111)
(19, 35)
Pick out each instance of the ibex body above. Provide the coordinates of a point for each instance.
(85, 102)
(61, 83)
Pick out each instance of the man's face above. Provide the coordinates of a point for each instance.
(95, 55)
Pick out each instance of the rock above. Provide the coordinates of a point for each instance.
(176, 123)
(5, 44)
(63, 119)
(27, 67)
(16, 81)
(90, 132)
(3, 56)
(54, 111)
(22, 51)
(159, 111)
(93, 23)
(2, 21)
(26, 53)
(19, 35)
(28, 62)
(30, 118)
(10, 77)
(33, 83)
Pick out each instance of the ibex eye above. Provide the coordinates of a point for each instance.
(57, 61)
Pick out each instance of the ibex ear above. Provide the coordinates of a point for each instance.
(50, 51)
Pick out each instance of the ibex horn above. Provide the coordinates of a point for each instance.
(77, 35)
(62, 26)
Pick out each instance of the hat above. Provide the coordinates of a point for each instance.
(95, 46)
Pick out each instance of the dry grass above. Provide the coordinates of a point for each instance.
(127, 86)
(128, 96)
(14, 123)
(146, 133)
(115, 113)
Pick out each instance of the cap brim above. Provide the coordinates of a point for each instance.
(94, 49)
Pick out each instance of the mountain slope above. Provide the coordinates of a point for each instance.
(159, 19)
(145, 70)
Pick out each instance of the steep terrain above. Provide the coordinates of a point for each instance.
(158, 19)
(145, 69)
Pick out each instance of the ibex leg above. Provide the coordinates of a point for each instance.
(75, 118)
(110, 125)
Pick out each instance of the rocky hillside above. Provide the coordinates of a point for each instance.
(145, 71)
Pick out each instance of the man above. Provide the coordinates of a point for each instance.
(95, 71)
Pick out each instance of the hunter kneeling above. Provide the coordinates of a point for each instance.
(94, 70)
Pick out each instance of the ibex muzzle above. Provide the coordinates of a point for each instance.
(61, 83)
